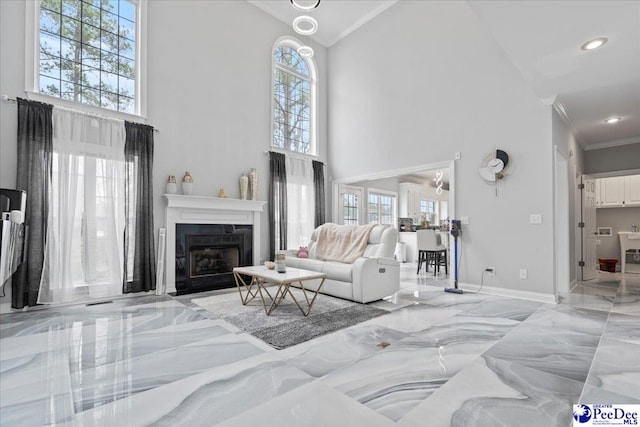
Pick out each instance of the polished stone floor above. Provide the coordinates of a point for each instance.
(436, 359)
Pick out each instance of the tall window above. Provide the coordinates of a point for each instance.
(293, 99)
(88, 52)
(382, 207)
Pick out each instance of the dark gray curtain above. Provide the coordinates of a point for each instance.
(35, 148)
(318, 189)
(139, 156)
(277, 202)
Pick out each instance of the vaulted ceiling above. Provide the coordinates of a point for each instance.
(543, 40)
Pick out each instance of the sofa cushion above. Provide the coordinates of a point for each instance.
(305, 263)
(338, 271)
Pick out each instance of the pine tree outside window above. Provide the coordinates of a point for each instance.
(88, 52)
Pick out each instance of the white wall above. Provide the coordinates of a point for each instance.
(613, 159)
(424, 80)
(209, 93)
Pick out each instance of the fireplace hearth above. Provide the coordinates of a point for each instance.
(207, 253)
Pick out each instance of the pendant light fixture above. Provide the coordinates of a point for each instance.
(304, 24)
(298, 4)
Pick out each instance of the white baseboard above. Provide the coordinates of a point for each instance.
(511, 293)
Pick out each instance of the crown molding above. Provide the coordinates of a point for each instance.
(615, 143)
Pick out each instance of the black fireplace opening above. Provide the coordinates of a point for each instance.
(206, 255)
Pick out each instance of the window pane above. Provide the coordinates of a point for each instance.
(53, 5)
(91, 35)
(126, 86)
(127, 29)
(91, 78)
(90, 96)
(109, 62)
(70, 91)
(49, 65)
(127, 10)
(126, 104)
(126, 67)
(109, 22)
(49, 86)
(72, 8)
(90, 14)
(49, 44)
(49, 21)
(90, 57)
(71, 28)
(127, 48)
(109, 41)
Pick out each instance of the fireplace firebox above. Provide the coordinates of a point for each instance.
(207, 253)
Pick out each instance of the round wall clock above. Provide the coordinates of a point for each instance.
(494, 166)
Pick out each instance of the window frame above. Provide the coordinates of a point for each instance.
(313, 83)
(32, 65)
(394, 207)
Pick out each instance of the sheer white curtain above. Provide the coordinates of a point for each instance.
(300, 201)
(84, 244)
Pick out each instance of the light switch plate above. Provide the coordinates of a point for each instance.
(535, 219)
(464, 220)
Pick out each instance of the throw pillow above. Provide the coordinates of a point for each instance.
(303, 252)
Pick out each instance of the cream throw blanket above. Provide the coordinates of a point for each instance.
(342, 243)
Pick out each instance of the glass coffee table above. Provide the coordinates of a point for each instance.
(261, 276)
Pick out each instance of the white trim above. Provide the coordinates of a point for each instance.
(396, 172)
(615, 143)
(510, 293)
(32, 65)
(183, 209)
(615, 173)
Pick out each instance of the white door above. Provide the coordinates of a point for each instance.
(589, 228)
(350, 204)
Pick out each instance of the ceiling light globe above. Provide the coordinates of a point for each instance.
(612, 120)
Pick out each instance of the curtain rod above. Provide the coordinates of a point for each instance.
(295, 155)
(6, 98)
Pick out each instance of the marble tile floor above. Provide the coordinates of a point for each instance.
(436, 359)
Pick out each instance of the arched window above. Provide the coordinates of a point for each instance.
(294, 81)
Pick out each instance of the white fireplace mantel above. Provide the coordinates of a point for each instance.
(183, 209)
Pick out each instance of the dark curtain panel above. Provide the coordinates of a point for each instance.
(318, 188)
(139, 156)
(277, 202)
(35, 148)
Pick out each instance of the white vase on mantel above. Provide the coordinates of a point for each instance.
(244, 185)
(253, 179)
(187, 184)
(172, 187)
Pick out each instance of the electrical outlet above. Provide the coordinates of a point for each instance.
(464, 220)
(523, 273)
(535, 219)
(491, 271)
(458, 155)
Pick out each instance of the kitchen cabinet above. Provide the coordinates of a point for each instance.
(618, 191)
(611, 192)
(632, 190)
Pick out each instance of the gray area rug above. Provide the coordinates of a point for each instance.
(287, 326)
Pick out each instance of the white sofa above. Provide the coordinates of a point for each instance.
(372, 277)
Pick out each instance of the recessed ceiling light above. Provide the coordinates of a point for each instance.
(612, 120)
(594, 44)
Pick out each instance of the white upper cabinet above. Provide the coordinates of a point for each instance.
(632, 190)
(618, 191)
